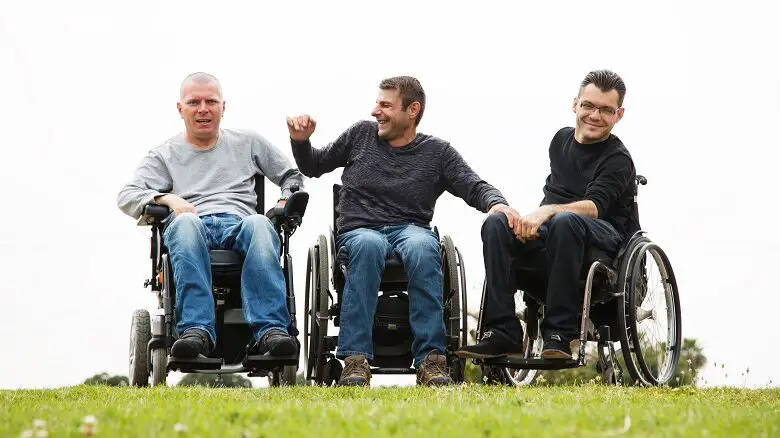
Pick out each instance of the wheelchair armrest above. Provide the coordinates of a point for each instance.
(153, 214)
(292, 212)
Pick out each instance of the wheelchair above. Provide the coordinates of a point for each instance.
(392, 335)
(151, 337)
(630, 297)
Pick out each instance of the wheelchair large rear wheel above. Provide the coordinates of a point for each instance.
(455, 309)
(655, 318)
(140, 334)
(317, 278)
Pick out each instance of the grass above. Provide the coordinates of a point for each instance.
(590, 410)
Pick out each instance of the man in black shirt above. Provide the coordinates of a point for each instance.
(392, 178)
(587, 201)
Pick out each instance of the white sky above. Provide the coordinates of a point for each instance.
(90, 88)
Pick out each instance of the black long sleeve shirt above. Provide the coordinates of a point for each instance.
(383, 185)
(600, 172)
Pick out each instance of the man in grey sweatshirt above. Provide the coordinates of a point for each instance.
(205, 175)
(392, 178)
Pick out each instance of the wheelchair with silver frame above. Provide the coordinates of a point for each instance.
(629, 298)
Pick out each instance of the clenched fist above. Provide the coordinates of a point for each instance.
(301, 127)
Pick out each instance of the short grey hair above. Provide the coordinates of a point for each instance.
(200, 78)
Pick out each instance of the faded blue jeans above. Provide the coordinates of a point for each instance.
(263, 294)
(367, 249)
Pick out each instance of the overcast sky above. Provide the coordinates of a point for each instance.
(90, 88)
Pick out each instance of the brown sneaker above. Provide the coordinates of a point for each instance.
(433, 371)
(356, 372)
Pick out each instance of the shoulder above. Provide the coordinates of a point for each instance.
(435, 144)
(175, 145)
(563, 134)
(618, 149)
(362, 127)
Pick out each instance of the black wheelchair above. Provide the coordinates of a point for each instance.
(630, 297)
(151, 338)
(392, 335)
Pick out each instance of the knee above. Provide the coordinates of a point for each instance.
(184, 223)
(258, 225)
(422, 243)
(566, 223)
(367, 245)
(495, 224)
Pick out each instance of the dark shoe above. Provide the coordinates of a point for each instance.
(275, 343)
(489, 347)
(433, 371)
(191, 343)
(555, 347)
(356, 372)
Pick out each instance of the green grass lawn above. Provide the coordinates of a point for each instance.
(590, 410)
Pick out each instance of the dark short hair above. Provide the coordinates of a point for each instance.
(606, 80)
(409, 89)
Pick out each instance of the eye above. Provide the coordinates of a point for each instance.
(212, 102)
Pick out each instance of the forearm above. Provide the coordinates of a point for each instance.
(582, 208)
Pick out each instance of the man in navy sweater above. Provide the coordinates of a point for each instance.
(587, 201)
(392, 177)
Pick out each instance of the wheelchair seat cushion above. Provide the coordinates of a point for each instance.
(394, 268)
(225, 258)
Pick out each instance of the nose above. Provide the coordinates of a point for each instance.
(202, 107)
(375, 112)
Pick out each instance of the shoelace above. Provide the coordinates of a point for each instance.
(351, 368)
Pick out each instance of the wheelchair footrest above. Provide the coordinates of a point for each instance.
(268, 362)
(186, 365)
(520, 363)
(393, 371)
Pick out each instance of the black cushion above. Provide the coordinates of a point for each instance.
(225, 258)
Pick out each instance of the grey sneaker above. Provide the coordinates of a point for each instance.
(356, 372)
(433, 371)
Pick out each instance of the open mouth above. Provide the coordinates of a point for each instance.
(203, 121)
(382, 122)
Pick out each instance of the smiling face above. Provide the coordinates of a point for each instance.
(597, 113)
(394, 122)
(201, 107)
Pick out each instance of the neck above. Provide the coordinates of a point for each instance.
(408, 136)
(582, 140)
(201, 142)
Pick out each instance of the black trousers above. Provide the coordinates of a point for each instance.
(560, 251)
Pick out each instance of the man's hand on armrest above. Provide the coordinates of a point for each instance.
(175, 203)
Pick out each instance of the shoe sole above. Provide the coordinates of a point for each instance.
(555, 354)
(440, 382)
(353, 382)
(472, 355)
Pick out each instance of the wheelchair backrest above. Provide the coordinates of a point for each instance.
(260, 192)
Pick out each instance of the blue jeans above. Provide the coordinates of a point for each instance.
(263, 294)
(367, 249)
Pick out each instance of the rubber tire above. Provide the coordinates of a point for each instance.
(647, 377)
(159, 366)
(623, 307)
(289, 375)
(140, 334)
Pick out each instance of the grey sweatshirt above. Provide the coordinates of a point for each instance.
(383, 185)
(217, 180)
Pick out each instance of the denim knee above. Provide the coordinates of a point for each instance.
(367, 245)
(183, 224)
(259, 225)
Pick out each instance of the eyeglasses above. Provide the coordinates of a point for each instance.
(605, 111)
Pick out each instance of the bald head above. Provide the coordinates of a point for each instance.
(200, 78)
